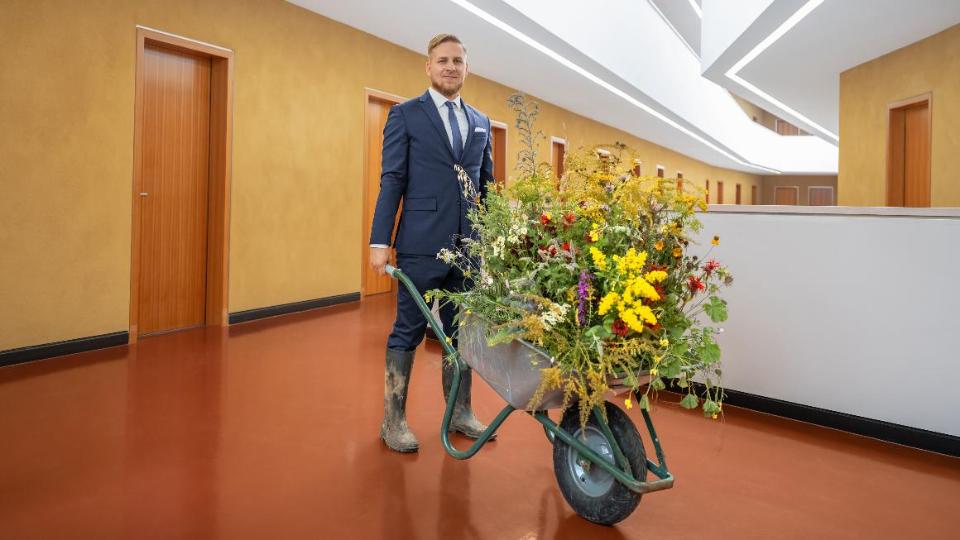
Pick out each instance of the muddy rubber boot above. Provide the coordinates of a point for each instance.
(396, 378)
(463, 420)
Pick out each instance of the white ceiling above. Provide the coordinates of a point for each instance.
(802, 68)
(631, 64)
(684, 20)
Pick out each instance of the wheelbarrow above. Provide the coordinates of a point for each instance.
(601, 468)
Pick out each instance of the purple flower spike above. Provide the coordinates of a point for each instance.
(583, 297)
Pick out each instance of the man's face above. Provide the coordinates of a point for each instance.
(447, 68)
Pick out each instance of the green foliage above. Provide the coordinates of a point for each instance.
(597, 271)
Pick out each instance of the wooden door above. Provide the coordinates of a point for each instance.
(376, 118)
(559, 149)
(821, 196)
(719, 192)
(707, 191)
(908, 162)
(786, 195)
(753, 194)
(499, 153)
(174, 178)
(680, 181)
(738, 194)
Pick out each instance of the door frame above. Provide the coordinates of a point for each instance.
(218, 189)
(895, 142)
(506, 144)
(365, 242)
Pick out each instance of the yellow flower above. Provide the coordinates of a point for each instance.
(658, 246)
(630, 317)
(628, 403)
(607, 302)
(677, 251)
(714, 416)
(643, 289)
(657, 359)
(654, 372)
(599, 259)
(664, 342)
(647, 315)
(449, 340)
(469, 312)
(715, 241)
(655, 276)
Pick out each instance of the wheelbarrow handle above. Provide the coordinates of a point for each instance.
(452, 353)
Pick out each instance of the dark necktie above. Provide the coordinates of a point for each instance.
(455, 132)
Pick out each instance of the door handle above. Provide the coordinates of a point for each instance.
(143, 193)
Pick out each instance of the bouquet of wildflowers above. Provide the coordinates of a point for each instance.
(595, 269)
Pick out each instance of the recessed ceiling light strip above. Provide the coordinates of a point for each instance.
(732, 73)
(598, 81)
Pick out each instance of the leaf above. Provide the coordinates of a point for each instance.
(710, 407)
(716, 309)
(644, 403)
(689, 401)
(502, 336)
(657, 384)
(709, 353)
(670, 369)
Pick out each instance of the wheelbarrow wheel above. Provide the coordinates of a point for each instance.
(591, 491)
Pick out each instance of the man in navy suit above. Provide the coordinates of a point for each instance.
(423, 139)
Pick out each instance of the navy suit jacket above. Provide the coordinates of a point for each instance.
(417, 167)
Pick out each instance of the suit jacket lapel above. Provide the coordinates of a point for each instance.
(471, 124)
(430, 109)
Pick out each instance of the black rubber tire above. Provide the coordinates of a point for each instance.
(616, 502)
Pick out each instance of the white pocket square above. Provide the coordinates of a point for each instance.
(479, 130)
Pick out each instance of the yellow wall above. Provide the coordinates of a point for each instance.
(803, 182)
(66, 152)
(930, 65)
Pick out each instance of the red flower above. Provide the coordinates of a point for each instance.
(660, 290)
(654, 327)
(695, 284)
(620, 328)
(569, 218)
(587, 239)
(711, 266)
(544, 219)
(565, 246)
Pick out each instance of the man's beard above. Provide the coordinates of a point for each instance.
(448, 90)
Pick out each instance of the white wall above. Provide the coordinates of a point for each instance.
(854, 313)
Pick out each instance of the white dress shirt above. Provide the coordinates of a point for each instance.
(441, 102)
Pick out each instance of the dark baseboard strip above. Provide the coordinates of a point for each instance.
(60, 348)
(941, 443)
(283, 309)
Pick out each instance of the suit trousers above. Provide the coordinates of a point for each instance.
(427, 273)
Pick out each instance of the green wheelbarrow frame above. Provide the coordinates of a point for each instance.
(620, 469)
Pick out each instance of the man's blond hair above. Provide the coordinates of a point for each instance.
(444, 38)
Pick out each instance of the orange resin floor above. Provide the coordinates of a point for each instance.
(269, 430)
